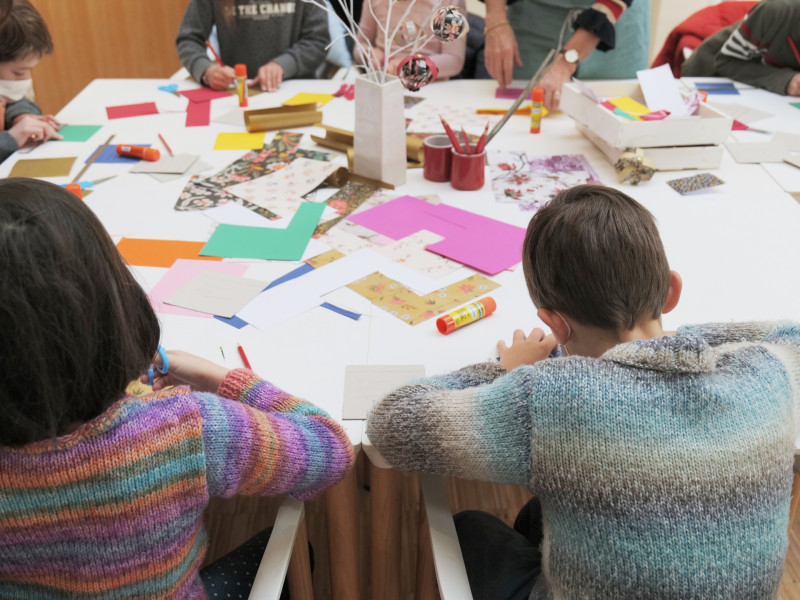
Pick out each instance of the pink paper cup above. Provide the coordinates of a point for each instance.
(436, 163)
(468, 171)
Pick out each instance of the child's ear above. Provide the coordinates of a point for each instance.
(674, 293)
(556, 324)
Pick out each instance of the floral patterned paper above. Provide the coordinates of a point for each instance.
(533, 182)
(412, 308)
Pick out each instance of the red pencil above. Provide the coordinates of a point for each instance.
(244, 357)
(166, 145)
(214, 52)
(451, 134)
(466, 140)
(482, 141)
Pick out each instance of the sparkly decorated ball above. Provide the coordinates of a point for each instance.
(449, 24)
(416, 71)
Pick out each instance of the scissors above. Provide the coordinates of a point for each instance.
(163, 369)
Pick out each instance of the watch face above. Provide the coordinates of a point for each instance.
(571, 55)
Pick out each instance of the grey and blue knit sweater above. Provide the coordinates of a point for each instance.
(664, 467)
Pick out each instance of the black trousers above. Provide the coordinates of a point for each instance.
(502, 563)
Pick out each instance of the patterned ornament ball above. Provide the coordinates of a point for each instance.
(416, 71)
(448, 24)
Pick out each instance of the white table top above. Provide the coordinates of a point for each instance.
(736, 247)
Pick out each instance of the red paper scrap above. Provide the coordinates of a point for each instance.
(203, 94)
(198, 114)
(131, 110)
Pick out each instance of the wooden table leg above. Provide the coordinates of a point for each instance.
(341, 504)
(385, 519)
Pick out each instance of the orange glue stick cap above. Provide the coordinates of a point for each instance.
(466, 315)
(537, 95)
(240, 70)
(75, 188)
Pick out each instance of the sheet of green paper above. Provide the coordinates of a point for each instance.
(42, 167)
(237, 241)
(78, 133)
(795, 104)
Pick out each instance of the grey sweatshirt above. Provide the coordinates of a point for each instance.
(292, 33)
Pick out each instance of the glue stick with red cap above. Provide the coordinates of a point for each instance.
(466, 315)
(537, 102)
(241, 83)
(143, 152)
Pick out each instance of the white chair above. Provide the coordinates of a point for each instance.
(443, 552)
(286, 556)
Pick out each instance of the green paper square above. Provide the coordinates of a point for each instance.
(78, 133)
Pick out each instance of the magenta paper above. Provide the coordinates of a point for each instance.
(479, 242)
(182, 272)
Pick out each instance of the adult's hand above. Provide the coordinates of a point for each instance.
(501, 52)
(793, 89)
(559, 73)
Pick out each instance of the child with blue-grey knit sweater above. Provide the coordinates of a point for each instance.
(661, 462)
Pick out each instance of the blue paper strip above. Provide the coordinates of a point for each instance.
(347, 313)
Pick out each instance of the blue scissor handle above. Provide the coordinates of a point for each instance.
(163, 369)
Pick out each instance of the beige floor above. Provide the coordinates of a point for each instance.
(232, 521)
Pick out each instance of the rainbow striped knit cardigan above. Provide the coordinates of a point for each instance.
(664, 467)
(113, 510)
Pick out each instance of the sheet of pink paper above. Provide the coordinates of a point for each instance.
(478, 242)
(131, 110)
(180, 273)
(510, 92)
(198, 114)
(203, 94)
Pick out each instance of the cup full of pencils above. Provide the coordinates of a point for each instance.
(468, 159)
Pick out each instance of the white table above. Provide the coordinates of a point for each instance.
(736, 248)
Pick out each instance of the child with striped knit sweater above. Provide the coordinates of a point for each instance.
(661, 463)
(102, 493)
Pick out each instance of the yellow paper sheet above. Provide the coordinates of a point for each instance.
(42, 167)
(630, 106)
(239, 141)
(307, 97)
(412, 308)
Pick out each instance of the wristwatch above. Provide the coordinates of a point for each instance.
(571, 56)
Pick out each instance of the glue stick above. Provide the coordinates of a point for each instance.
(143, 152)
(466, 315)
(537, 99)
(241, 83)
(76, 189)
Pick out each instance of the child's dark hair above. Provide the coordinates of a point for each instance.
(75, 326)
(23, 32)
(595, 254)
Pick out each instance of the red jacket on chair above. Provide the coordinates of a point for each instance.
(700, 25)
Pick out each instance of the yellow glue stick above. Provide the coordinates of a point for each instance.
(466, 315)
(537, 101)
(241, 83)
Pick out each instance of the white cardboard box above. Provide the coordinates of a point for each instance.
(672, 143)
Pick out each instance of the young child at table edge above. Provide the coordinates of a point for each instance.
(102, 493)
(276, 40)
(763, 49)
(24, 39)
(661, 463)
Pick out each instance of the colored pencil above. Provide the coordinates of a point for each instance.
(482, 142)
(166, 145)
(451, 134)
(214, 52)
(244, 357)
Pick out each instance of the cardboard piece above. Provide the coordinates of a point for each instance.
(180, 163)
(42, 167)
(281, 117)
(216, 293)
(182, 272)
(364, 385)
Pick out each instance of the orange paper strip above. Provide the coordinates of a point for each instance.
(159, 253)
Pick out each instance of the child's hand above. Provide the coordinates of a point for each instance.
(269, 77)
(218, 77)
(184, 368)
(34, 128)
(526, 350)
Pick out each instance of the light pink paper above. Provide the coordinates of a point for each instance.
(180, 273)
(484, 244)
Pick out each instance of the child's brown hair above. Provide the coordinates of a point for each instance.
(595, 254)
(23, 33)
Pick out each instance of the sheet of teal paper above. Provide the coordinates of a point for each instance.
(238, 241)
(78, 133)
